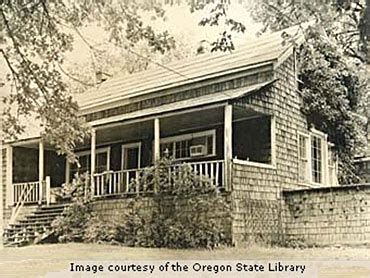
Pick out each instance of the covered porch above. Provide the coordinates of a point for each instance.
(208, 138)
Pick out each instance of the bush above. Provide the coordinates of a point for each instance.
(70, 227)
(187, 211)
(98, 230)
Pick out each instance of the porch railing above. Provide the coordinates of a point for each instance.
(32, 192)
(126, 181)
(28, 192)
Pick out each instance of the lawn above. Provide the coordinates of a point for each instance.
(37, 260)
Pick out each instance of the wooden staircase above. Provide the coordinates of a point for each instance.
(33, 227)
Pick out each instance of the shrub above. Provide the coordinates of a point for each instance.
(72, 224)
(98, 230)
(186, 211)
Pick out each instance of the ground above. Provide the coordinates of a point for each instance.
(37, 260)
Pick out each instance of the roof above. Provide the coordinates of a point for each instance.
(219, 97)
(122, 89)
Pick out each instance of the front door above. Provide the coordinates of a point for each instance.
(131, 156)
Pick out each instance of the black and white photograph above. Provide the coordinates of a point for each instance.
(189, 138)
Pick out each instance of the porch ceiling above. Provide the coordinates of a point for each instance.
(181, 123)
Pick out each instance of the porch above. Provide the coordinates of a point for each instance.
(206, 138)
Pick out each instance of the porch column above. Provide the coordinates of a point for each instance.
(9, 176)
(41, 168)
(93, 154)
(157, 154)
(156, 140)
(228, 144)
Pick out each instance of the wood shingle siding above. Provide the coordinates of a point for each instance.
(258, 203)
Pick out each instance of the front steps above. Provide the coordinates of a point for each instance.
(33, 227)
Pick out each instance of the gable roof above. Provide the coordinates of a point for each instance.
(265, 50)
(121, 89)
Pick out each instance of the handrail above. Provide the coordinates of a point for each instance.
(29, 192)
(20, 204)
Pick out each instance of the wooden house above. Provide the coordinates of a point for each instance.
(234, 117)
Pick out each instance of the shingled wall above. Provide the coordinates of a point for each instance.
(257, 190)
(329, 216)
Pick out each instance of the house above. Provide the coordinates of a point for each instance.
(234, 117)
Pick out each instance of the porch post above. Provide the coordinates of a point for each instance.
(228, 144)
(9, 176)
(93, 154)
(48, 193)
(156, 140)
(41, 168)
(157, 154)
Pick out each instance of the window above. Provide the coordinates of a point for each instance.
(316, 159)
(185, 146)
(101, 162)
(303, 158)
(316, 156)
(254, 140)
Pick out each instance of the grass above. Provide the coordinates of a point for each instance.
(37, 260)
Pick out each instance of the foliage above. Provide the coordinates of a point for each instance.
(331, 68)
(70, 227)
(186, 212)
(333, 89)
(37, 36)
(218, 16)
(294, 243)
(343, 21)
(97, 230)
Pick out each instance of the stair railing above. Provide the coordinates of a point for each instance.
(25, 193)
(22, 198)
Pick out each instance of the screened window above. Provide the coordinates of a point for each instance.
(189, 145)
(84, 159)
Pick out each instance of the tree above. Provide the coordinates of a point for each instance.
(38, 34)
(331, 69)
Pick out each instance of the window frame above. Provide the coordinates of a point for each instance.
(308, 157)
(106, 150)
(325, 145)
(188, 136)
(322, 158)
(131, 145)
(266, 165)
